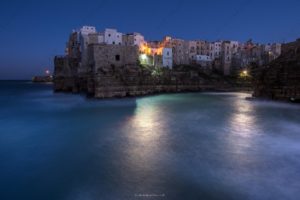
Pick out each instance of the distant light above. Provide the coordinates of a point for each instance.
(245, 72)
(47, 72)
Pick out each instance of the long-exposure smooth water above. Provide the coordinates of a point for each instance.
(171, 146)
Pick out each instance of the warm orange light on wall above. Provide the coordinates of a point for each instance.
(146, 49)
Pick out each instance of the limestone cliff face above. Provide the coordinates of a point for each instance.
(135, 81)
(280, 80)
(130, 80)
(114, 71)
(66, 75)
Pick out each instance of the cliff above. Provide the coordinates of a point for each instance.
(135, 80)
(106, 71)
(280, 80)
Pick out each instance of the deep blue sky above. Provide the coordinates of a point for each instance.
(33, 31)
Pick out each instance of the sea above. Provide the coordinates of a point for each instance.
(188, 146)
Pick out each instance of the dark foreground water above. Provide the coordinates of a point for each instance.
(176, 146)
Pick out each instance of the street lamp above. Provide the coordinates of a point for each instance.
(144, 56)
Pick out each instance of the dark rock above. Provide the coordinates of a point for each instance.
(280, 80)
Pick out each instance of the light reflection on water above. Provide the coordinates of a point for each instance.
(145, 133)
(242, 124)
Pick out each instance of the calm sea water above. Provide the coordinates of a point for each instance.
(174, 146)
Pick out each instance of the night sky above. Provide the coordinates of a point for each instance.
(33, 32)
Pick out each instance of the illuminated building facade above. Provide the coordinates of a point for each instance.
(169, 52)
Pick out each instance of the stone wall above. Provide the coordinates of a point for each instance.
(103, 55)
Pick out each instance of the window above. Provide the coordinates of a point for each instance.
(117, 57)
(109, 35)
(113, 42)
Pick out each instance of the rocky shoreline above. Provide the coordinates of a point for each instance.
(130, 81)
(42, 79)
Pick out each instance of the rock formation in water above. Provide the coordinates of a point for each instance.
(280, 80)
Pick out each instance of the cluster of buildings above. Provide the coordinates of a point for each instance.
(114, 48)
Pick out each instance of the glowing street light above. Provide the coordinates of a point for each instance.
(144, 56)
(47, 72)
(244, 73)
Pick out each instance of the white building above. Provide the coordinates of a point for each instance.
(112, 36)
(138, 39)
(267, 47)
(204, 58)
(89, 35)
(234, 46)
(167, 57)
(84, 33)
(84, 39)
(85, 30)
(192, 46)
(215, 49)
(276, 49)
(133, 39)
